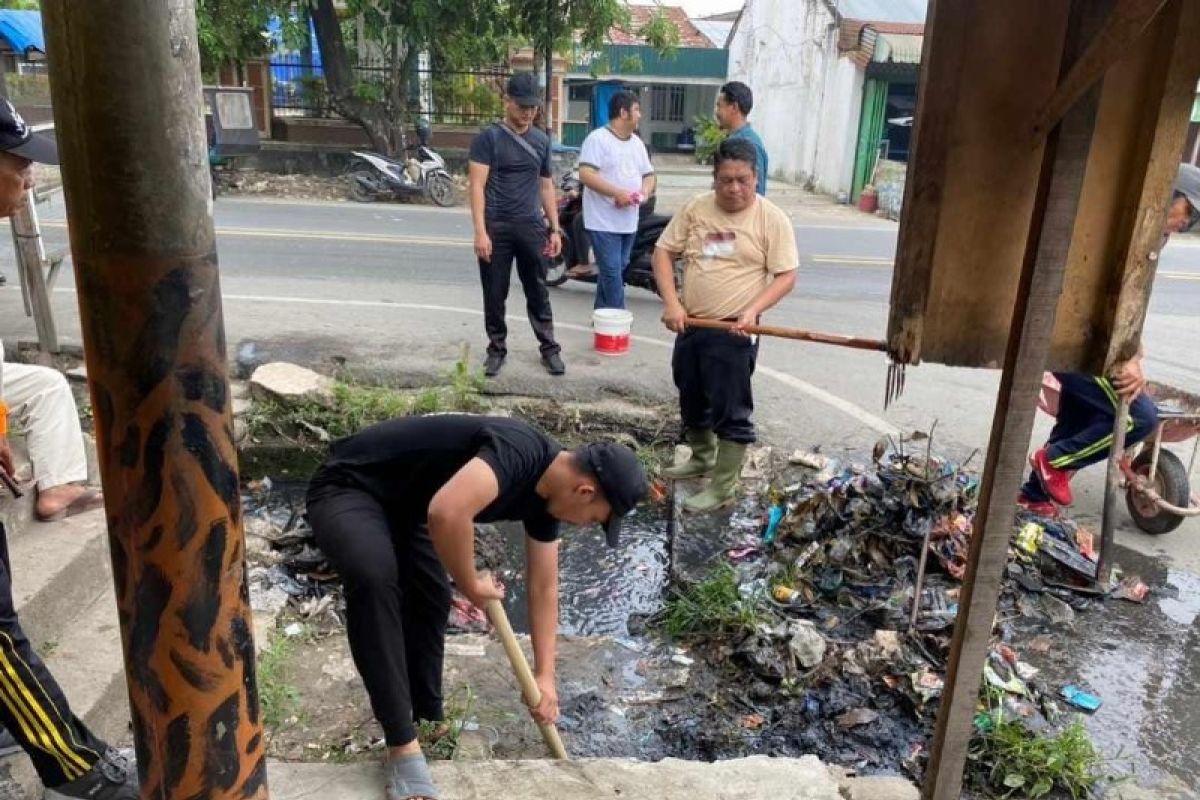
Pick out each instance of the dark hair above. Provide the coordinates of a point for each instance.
(623, 100)
(738, 94)
(736, 150)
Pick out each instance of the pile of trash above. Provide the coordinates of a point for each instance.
(855, 573)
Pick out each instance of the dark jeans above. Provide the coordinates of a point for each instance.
(524, 242)
(397, 605)
(1083, 432)
(32, 706)
(712, 372)
(612, 259)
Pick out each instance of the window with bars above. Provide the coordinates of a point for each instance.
(666, 104)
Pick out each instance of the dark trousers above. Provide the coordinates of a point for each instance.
(397, 606)
(32, 706)
(1083, 432)
(712, 372)
(524, 242)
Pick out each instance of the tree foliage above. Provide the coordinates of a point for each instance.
(21, 5)
(232, 30)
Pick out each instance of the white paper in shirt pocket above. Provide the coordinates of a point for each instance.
(719, 245)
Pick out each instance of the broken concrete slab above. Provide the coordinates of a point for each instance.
(290, 384)
(588, 779)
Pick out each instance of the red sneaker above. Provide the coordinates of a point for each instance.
(1056, 482)
(1039, 508)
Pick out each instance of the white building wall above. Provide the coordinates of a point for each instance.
(807, 100)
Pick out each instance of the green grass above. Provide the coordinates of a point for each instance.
(1009, 761)
(711, 607)
(357, 406)
(277, 697)
(458, 709)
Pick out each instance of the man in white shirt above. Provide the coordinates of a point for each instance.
(615, 170)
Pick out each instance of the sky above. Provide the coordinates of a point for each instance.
(700, 8)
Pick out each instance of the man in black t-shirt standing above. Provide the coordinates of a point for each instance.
(394, 508)
(512, 193)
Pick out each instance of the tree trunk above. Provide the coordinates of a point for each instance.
(373, 117)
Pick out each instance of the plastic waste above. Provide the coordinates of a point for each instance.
(1079, 698)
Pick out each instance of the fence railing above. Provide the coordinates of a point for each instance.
(449, 97)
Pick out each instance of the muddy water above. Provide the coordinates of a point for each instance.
(599, 587)
(1143, 661)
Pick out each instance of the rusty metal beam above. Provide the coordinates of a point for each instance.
(135, 174)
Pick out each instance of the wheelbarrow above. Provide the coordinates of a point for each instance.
(1156, 481)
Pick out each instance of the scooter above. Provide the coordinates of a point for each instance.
(639, 273)
(375, 177)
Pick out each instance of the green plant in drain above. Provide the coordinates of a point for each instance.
(712, 607)
(439, 740)
(278, 697)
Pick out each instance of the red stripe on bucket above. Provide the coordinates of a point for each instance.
(607, 345)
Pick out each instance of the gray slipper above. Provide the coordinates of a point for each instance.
(408, 777)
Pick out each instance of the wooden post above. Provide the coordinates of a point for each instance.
(135, 177)
(1112, 491)
(31, 260)
(1059, 190)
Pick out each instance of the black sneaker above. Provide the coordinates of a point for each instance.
(554, 364)
(493, 364)
(8, 744)
(111, 778)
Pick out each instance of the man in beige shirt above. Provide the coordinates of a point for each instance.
(739, 255)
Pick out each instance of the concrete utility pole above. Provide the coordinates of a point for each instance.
(135, 172)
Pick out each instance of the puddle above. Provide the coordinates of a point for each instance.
(1143, 661)
(599, 588)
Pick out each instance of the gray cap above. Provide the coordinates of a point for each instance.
(1187, 183)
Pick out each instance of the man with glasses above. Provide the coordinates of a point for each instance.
(512, 194)
(1083, 431)
(740, 259)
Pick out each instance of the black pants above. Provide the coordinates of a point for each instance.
(1083, 430)
(397, 606)
(712, 372)
(523, 241)
(32, 706)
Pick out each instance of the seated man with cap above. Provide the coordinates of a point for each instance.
(394, 507)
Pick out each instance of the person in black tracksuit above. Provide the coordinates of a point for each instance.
(1083, 432)
(394, 508)
(70, 761)
(512, 196)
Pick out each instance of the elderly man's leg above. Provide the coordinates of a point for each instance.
(43, 409)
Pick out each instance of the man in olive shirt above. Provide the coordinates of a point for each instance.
(740, 259)
(394, 508)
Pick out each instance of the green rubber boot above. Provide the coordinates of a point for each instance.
(704, 456)
(722, 489)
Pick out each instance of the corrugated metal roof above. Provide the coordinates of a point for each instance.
(884, 10)
(716, 31)
(897, 48)
(22, 30)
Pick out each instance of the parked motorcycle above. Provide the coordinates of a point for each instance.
(375, 177)
(640, 271)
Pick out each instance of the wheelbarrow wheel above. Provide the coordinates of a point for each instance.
(1171, 483)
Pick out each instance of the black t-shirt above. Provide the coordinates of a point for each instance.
(403, 463)
(513, 192)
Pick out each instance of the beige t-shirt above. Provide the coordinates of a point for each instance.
(729, 259)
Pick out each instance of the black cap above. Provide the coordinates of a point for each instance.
(621, 478)
(18, 139)
(523, 89)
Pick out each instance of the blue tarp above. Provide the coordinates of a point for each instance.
(22, 30)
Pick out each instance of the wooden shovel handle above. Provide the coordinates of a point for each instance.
(793, 333)
(529, 687)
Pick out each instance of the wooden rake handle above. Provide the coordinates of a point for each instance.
(794, 333)
(529, 687)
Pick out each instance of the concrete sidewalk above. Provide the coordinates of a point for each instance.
(755, 778)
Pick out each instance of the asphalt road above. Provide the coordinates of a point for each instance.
(396, 287)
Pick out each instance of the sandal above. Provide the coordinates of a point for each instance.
(409, 778)
(88, 500)
(581, 271)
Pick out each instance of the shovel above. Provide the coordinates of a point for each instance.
(529, 687)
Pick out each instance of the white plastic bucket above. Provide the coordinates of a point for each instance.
(611, 331)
